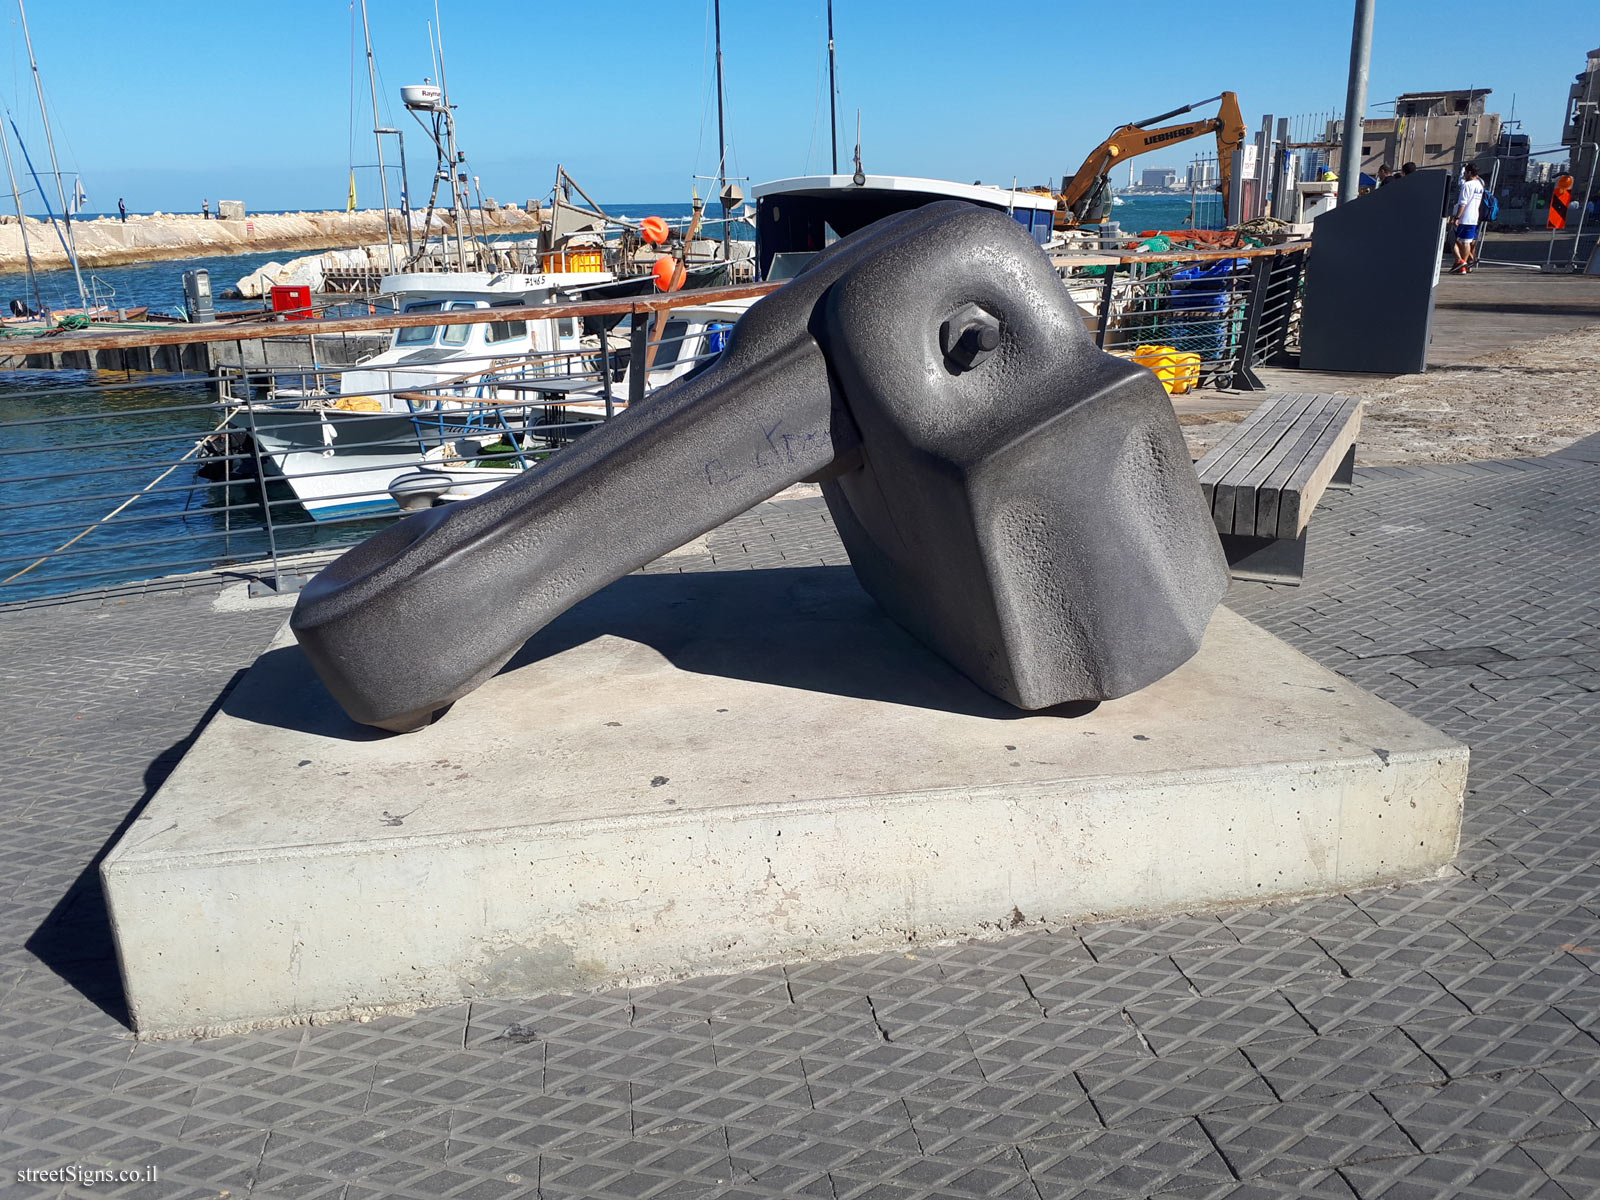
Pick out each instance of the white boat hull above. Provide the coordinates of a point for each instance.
(343, 487)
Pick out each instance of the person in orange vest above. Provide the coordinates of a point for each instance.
(1559, 199)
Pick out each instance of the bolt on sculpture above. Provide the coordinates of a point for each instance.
(1020, 501)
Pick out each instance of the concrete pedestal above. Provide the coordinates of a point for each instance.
(695, 773)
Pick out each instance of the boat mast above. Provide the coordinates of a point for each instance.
(22, 222)
(383, 176)
(66, 211)
(722, 141)
(833, 93)
(450, 137)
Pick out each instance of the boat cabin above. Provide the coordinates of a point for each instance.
(797, 217)
(422, 356)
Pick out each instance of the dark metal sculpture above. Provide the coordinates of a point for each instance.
(1020, 501)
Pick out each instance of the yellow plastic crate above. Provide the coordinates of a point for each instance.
(1178, 371)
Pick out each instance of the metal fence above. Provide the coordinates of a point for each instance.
(1234, 309)
(265, 469)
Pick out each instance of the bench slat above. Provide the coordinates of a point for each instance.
(1311, 434)
(1264, 431)
(1310, 479)
(1233, 507)
(1261, 519)
(1214, 463)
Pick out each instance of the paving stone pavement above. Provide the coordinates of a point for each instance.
(1438, 1039)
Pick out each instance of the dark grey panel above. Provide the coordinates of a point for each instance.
(1370, 279)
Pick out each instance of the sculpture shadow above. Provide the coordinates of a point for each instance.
(809, 628)
(283, 690)
(75, 939)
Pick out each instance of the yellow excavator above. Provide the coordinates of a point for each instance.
(1087, 195)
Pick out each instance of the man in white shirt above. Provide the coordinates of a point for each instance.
(1469, 201)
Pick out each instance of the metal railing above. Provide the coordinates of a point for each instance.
(267, 469)
(112, 477)
(1236, 309)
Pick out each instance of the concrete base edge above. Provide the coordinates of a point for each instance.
(216, 937)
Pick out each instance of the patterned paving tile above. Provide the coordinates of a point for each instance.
(1496, 1171)
(1572, 1160)
(1354, 1061)
(1509, 1107)
(1155, 1089)
(1431, 1039)
(1298, 1136)
(1475, 1045)
(1132, 1161)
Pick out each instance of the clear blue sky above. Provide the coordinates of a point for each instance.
(166, 102)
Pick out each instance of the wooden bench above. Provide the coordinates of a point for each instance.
(1263, 480)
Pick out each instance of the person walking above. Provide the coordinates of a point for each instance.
(1469, 200)
(122, 211)
(205, 209)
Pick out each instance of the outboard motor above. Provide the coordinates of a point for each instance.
(197, 296)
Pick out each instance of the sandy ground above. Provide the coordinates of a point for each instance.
(1519, 402)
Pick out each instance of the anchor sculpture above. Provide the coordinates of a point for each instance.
(1020, 501)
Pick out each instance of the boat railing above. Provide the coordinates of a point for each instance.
(101, 294)
(112, 480)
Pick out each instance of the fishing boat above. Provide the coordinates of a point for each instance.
(458, 400)
(427, 372)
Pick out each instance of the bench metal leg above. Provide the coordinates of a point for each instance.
(1344, 476)
(1268, 560)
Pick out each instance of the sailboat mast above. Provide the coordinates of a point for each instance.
(66, 211)
(383, 176)
(833, 93)
(722, 141)
(22, 222)
(456, 198)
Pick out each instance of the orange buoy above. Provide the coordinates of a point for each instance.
(669, 274)
(653, 230)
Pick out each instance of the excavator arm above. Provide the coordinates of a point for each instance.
(1080, 196)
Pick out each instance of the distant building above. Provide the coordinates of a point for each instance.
(1158, 177)
(1202, 174)
(1444, 130)
(1545, 173)
(1511, 155)
(1581, 125)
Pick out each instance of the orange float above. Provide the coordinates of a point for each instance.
(653, 230)
(669, 274)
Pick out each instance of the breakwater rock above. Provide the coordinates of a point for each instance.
(108, 242)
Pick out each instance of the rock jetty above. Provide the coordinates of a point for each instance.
(108, 242)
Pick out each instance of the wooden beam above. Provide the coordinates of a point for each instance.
(249, 331)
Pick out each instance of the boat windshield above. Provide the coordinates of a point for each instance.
(672, 341)
(448, 335)
(419, 335)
